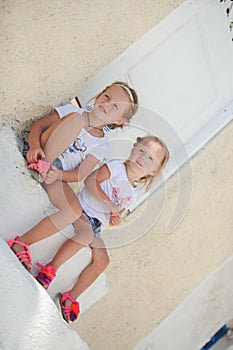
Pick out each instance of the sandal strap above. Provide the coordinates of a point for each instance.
(66, 310)
(67, 295)
(70, 312)
(23, 255)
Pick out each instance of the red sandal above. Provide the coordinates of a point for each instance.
(45, 275)
(69, 313)
(23, 255)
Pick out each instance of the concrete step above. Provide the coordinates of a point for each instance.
(29, 318)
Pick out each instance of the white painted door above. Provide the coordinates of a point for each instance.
(182, 71)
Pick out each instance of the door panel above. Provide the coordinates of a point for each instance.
(182, 71)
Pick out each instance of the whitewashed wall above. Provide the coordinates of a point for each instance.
(198, 318)
(182, 71)
(29, 318)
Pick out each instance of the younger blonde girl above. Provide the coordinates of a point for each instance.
(108, 191)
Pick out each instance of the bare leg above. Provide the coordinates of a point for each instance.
(83, 237)
(100, 261)
(60, 135)
(70, 210)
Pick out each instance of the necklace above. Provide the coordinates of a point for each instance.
(89, 125)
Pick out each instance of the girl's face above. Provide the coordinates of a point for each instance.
(146, 158)
(111, 105)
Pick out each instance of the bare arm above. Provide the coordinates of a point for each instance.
(76, 175)
(93, 182)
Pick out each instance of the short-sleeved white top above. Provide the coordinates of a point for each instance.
(117, 188)
(83, 145)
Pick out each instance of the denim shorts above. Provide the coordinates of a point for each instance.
(58, 164)
(95, 224)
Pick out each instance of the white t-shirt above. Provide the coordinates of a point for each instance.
(83, 145)
(117, 188)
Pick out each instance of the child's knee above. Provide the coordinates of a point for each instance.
(71, 214)
(83, 238)
(101, 261)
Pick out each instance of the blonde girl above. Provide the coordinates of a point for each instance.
(108, 191)
(66, 146)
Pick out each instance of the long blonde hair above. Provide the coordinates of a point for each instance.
(133, 99)
(148, 180)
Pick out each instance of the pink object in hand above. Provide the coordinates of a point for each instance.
(41, 164)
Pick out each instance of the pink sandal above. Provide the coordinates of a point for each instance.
(41, 165)
(69, 313)
(46, 275)
(23, 255)
(39, 168)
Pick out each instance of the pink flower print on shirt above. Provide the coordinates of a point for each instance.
(125, 201)
(116, 198)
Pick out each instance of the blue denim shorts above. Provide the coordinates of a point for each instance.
(95, 224)
(58, 164)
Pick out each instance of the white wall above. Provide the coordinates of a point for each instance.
(196, 320)
(182, 71)
(29, 318)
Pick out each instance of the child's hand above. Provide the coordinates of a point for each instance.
(115, 218)
(112, 207)
(34, 154)
(52, 175)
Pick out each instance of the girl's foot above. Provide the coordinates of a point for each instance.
(22, 252)
(45, 275)
(69, 307)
